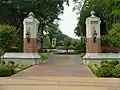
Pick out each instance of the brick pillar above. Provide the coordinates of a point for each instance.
(92, 47)
(30, 47)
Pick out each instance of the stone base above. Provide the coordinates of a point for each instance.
(91, 56)
(98, 57)
(23, 58)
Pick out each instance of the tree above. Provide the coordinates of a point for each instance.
(107, 10)
(52, 31)
(14, 11)
(67, 43)
(114, 35)
(6, 37)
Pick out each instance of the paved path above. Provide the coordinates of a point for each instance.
(59, 83)
(56, 70)
(65, 59)
(61, 75)
(63, 66)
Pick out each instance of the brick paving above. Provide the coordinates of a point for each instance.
(55, 70)
(60, 66)
(58, 76)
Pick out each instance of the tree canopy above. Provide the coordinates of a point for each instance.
(107, 10)
(14, 11)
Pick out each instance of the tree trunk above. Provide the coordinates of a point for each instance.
(51, 43)
(67, 50)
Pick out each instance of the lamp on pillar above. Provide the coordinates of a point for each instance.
(28, 36)
(94, 36)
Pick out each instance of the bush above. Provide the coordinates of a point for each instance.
(11, 62)
(114, 35)
(10, 68)
(92, 68)
(106, 69)
(104, 62)
(105, 40)
(117, 71)
(113, 63)
(6, 37)
(5, 71)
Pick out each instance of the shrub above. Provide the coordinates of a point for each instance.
(2, 62)
(105, 40)
(106, 69)
(5, 71)
(114, 63)
(114, 34)
(93, 69)
(104, 62)
(10, 68)
(11, 62)
(6, 37)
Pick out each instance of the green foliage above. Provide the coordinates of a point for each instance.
(107, 69)
(113, 63)
(107, 10)
(52, 31)
(117, 71)
(67, 43)
(14, 11)
(80, 47)
(43, 58)
(114, 34)
(1, 52)
(92, 68)
(12, 63)
(105, 40)
(6, 36)
(68, 53)
(4, 71)
(10, 68)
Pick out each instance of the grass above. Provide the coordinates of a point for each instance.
(68, 53)
(44, 58)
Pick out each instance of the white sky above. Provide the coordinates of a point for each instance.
(69, 20)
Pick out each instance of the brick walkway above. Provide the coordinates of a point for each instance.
(58, 76)
(59, 66)
(55, 70)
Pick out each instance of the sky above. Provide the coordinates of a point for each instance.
(68, 21)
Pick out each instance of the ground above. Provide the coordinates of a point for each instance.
(58, 76)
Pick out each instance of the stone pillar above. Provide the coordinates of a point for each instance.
(53, 42)
(93, 34)
(30, 34)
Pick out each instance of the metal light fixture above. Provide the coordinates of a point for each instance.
(94, 36)
(28, 36)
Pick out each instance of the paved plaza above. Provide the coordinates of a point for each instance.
(55, 70)
(58, 75)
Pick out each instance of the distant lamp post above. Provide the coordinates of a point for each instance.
(28, 36)
(94, 36)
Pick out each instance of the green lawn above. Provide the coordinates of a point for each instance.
(44, 58)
